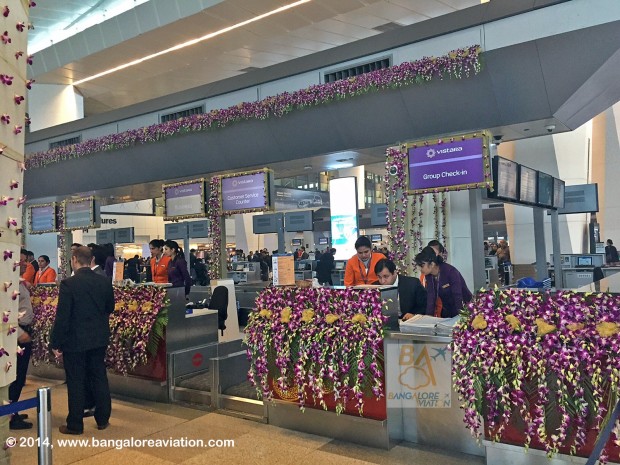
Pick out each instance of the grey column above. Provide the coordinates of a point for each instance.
(477, 238)
(539, 243)
(555, 240)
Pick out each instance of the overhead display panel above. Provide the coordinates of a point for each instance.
(544, 190)
(42, 218)
(247, 192)
(505, 179)
(81, 213)
(298, 221)
(559, 188)
(580, 198)
(185, 200)
(456, 162)
(528, 180)
(266, 224)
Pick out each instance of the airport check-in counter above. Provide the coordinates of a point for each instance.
(338, 272)
(245, 272)
(578, 269)
(305, 269)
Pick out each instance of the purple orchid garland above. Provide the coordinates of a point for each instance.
(215, 229)
(131, 322)
(396, 193)
(562, 346)
(317, 341)
(455, 65)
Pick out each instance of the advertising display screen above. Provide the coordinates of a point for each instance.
(559, 187)
(528, 180)
(545, 189)
(246, 192)
(185, 200)
(447, 164)
(42, 218)
(505, 176)
(81, 214)
(344, 220)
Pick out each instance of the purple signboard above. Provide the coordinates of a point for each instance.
(184, 200)
(448, 164)
(246, 192)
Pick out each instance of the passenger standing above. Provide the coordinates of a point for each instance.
(80, 337)
(611, 253)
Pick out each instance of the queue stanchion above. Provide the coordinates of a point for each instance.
(44, 427)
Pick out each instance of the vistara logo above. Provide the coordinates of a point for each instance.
(430, 153)
(234, 183)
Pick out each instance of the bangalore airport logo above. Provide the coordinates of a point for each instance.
(430, 153)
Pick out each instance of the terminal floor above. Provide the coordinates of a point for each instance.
(255, 443)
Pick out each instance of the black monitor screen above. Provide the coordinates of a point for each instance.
(558, 193)
(527, 186)
(339, 266)
(296, 242)
(323, 241)
(545, 189)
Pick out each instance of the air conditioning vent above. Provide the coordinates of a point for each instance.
(388, 27)
(357, 70)
(65, 142)
(182, 114)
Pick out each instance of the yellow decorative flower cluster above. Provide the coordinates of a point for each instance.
(479, 322)
(575, 326)
(514, 322)
(607, 328)
(359, 318)
(307, 315)
(332, 318)
(285, 316)
(265, 313)
(544, 327)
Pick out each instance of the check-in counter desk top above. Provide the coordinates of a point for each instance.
(422, 407)
(611, 283)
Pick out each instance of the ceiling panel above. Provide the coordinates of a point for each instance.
(312, 27)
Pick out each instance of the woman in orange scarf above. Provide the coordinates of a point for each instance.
(46, 273)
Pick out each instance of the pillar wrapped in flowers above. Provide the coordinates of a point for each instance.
(540, 370)
(320, 347)
(137, 326)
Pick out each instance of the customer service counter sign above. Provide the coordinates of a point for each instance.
(459, 162)
(418, 374)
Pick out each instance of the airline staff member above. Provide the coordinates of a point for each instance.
(46, 273)
(360, 268)
(27, 271)
(159, 262)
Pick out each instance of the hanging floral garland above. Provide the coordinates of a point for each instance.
(62, 242)
(436, 215)
(215, 228)
(456, 64)
(396, 189)
(444, 218)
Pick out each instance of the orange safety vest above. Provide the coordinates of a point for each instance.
(159, 269)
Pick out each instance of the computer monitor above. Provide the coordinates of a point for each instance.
(584, 261)
(238, 266)
(301, 266)
(339, 266)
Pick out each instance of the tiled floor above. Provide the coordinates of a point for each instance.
(254, 443)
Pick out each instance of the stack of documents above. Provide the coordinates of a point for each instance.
(420, 324)
(425, 324)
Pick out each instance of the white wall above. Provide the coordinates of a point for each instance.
(52, 104)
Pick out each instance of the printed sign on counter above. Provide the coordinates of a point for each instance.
(457, 163)
(421, 378)
(283, 270)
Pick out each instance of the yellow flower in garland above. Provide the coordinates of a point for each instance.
(36, 301)
(514, 322)
(132, 306)
(307, 315)
(118, 306)
(575, 326)
(265, 313)
(359, 318)
(544, 327)
(147, 306)
(331, 318)
(607, 328)
(479, 322)
(285, 316)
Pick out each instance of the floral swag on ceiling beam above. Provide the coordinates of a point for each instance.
(454, 65)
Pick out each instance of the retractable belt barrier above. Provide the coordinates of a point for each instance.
(43, 403)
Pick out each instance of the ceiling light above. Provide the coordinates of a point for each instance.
(193, 41)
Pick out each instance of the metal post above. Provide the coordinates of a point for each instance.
(555, 237)
(44, 427)
(539, 243)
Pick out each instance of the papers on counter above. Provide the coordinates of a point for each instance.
(425, 324)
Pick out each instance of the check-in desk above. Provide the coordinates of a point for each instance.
(578, 269)
(245, 272)
(338, 272)
(305, 269)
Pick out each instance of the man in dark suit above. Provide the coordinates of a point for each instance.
(411, 293)
(80, 336)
